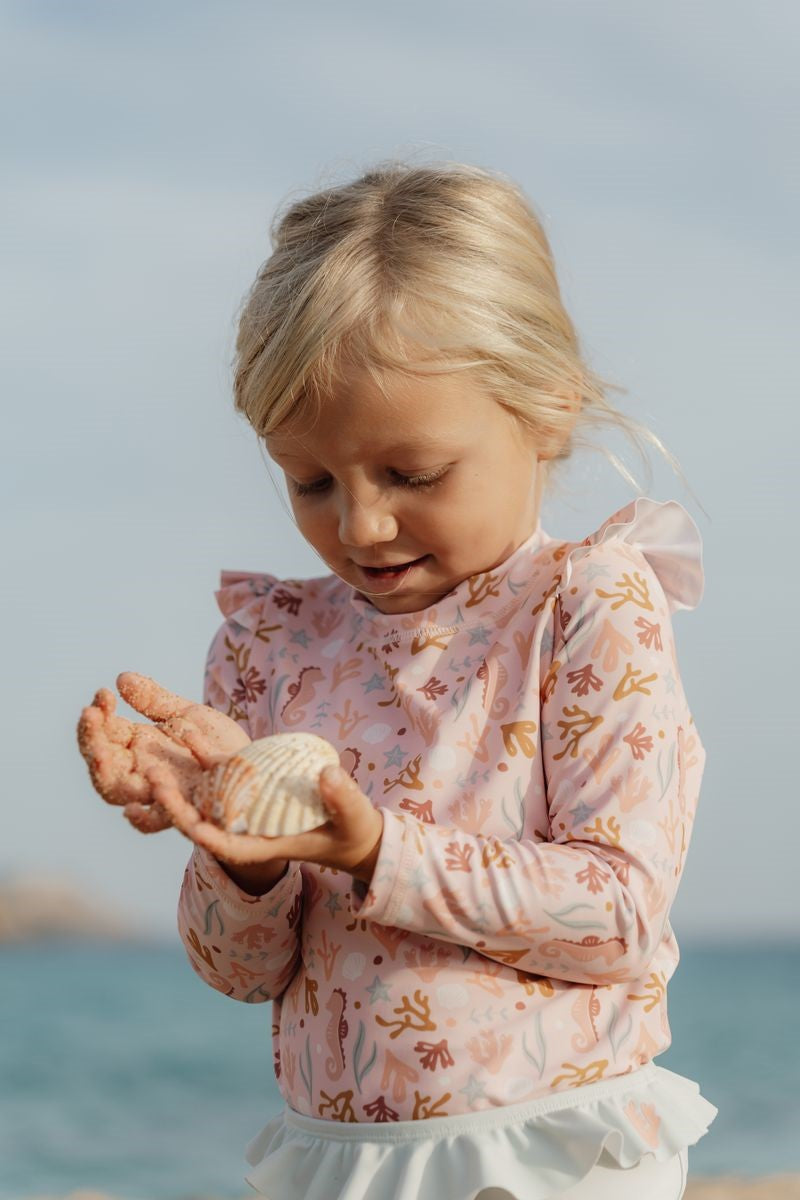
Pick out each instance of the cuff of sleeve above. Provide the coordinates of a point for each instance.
(231, 896)
(382, 898)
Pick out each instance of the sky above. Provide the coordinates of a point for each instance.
(146, 148)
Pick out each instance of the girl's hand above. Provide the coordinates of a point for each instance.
(186, 739)
(349, 841)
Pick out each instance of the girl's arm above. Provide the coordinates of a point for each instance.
(245, 946)
(240, 923)
(623, 764)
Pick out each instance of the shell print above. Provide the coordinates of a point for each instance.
(269, 787)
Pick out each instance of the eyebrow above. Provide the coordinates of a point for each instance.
(391, 452)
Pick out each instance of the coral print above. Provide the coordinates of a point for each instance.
(532, 749)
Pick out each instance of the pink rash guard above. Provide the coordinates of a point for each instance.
(530, 743)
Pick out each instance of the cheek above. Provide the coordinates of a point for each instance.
(449, 526)
(310, 520)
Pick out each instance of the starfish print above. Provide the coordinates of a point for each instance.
(377, 991)
(479, 634)
(595, 570)
(473, 1089)
(394, 757)
(377, 682)
(581, 812)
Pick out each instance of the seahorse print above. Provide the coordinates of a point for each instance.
(349, 758)
(590, 947)
(585, 1010)
(301, 694)
(493, 673)
(336, 1032)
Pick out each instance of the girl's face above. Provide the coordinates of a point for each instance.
(435, 473)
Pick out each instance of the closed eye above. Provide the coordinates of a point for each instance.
(427, 480)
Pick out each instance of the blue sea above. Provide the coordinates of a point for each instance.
(121, 1071)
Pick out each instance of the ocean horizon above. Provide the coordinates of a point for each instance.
(123, 1073)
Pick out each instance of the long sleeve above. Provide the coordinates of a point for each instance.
(244, 946)
(587, 899)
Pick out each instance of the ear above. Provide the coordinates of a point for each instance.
(571, 404)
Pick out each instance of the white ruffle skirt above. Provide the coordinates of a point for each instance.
(531, 1151)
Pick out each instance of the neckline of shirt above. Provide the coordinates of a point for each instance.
(479, 599)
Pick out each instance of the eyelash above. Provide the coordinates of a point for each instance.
(428, 480)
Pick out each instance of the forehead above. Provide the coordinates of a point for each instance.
(402, 415)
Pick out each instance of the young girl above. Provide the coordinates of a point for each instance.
(468, 963)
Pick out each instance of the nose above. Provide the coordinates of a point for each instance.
(363, 524)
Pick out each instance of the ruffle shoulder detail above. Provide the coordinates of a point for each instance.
(240, 596)
(243, 597)
(667, 536)
(650, 1112)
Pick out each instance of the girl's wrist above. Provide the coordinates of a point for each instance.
(364, 869)
(255, 878)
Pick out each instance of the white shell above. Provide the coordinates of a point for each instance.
(269, 787)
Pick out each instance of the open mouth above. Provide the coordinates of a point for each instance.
(392, 572)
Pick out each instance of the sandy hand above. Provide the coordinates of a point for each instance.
(184, 739)
(349, 840)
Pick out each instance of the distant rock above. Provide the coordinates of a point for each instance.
(41, 907)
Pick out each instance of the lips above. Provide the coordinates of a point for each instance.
(381, 579)
(381, 567)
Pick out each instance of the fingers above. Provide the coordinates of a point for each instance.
(93, 720)
(340, 794)
(231, 847)
(106, 701)
(118, 729)
(222, 733)
(90, 720)
(239, 848)
(358, 826)
(147, 818)
(149, 697)
(113, 766)
(186, 818)
(117, 752)
(104, 740)
(166, 793)
(101, 753)
(190, 733)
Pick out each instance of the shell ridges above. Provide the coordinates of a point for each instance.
(269, 787)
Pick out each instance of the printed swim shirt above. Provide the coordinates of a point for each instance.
(531, 746)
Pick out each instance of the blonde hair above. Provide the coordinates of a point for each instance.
(421, 269)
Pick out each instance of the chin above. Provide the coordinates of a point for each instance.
(388, 604)
(400, 607)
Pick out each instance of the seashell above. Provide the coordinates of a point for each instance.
(269, 787)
